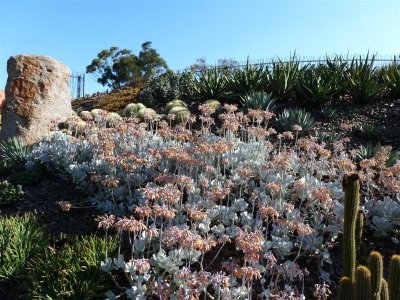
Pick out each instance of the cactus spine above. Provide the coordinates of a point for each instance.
(351, 186)
(384, 290)
(345, 288)
(394, 279)
(375, 265)
(362, 284)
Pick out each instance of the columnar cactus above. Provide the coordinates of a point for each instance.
(384, 290)
(375, 265)
(362, 284)
(359, 229)
(394, 279)
(351, 186)
(345, 289)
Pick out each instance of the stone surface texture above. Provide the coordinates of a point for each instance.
(2, 98)
(37, 95)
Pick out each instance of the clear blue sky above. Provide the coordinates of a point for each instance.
(183, 31)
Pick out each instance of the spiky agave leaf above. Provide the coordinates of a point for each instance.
(14, 151)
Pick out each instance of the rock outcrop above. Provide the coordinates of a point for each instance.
(2, 98)
(37, 96)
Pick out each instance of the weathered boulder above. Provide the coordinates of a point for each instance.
(2, 98)
(37, 97)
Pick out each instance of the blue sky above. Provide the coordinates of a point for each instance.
(183, 31)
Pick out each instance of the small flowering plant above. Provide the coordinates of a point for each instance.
(226, 216)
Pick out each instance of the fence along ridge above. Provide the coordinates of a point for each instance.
(379, 60)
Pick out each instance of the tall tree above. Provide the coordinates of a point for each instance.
(114, 67)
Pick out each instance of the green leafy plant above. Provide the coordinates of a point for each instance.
(251, 78)
(72, 272)
(10, 194)
(328, 138)
(166, 87)
(282, 78)
(328, 112)
(21, 239)
(335, 69)
(295, 116)
(259, 100)
(14, 151)
(211, 83)
(115, 67)
(391, 77)
(367, 131)
(362, 80)
(313, 88)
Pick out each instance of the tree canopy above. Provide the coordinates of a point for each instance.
(115, 67)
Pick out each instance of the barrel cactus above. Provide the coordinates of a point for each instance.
(182, 114)
(174, 103)
(113, 119)
(214, 104)
(145, 113)
(86, 115)
(98, 113)
(131, 110)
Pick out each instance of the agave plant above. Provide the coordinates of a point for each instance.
(334, 70)
(210, 84)
(249, 79)
(282, 78)
(391, 78)
(14, 151)
(295, 116)
(367, 131)
(328, 112)
(328, 138)
(362, 80)
(314, 88)
(259, 100)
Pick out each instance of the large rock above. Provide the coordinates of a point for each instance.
(2, 98)
(37, 96)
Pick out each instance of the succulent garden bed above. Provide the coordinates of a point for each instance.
(281, 194)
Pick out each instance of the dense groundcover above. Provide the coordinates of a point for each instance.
(226, 203)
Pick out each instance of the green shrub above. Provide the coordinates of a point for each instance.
(158, 91)
(392, 79)
(314, 86)
(259, 100)
(210, 84)
(73, 272)
(362, 80)
(335, 69)
(282, 79)
(21, 239)
(10, 194)
(295, 116)
(249, 79)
